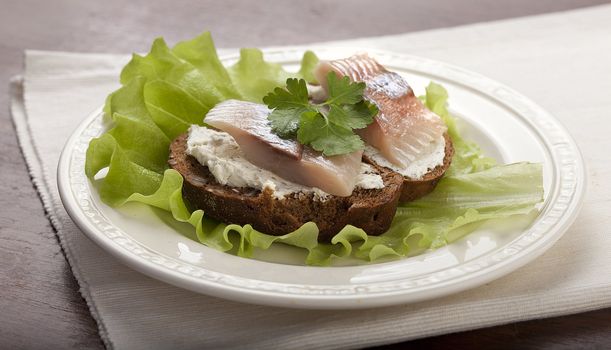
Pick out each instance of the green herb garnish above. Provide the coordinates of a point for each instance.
(327, 127)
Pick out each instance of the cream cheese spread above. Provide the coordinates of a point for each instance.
(219, 152)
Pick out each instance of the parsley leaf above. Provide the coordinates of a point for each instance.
(295, 95)
(288, 106)
(356, 116)
(342, 91)
(285, 122)
(327, 127)
(329, 138)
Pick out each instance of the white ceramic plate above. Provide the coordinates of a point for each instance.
(507, 125)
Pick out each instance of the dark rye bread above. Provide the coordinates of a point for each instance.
(370, 209)
(417, 188)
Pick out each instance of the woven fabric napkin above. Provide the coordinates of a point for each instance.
(561, 60)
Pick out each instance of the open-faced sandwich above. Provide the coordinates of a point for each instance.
(245, 168)
(340, 158)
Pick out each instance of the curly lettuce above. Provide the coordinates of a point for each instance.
(167, 90)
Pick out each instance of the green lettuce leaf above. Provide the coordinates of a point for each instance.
(169, 89)
(308, 62)
(254, 77)
(468, 156)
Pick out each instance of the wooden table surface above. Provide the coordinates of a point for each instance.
(40, 306)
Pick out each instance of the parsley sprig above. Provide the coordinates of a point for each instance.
(327, 127)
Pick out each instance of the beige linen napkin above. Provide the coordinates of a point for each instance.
(562, 61)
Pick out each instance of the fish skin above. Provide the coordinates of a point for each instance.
(247, 123)
(404, 128)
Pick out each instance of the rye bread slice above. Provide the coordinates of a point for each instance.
(417, 188)
(370, 209)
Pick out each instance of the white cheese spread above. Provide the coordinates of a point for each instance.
(219, 152)
(432, 157)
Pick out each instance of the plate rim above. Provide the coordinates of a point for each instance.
(334, 299)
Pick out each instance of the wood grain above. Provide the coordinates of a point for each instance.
(39, 302)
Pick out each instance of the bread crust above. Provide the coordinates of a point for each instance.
(417, 188)
(369, 209)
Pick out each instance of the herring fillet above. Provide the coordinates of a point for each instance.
(404, 129)
(247, 123)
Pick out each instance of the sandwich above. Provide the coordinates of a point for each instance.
(254, 163)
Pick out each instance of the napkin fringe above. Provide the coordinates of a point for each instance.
(40, 179)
